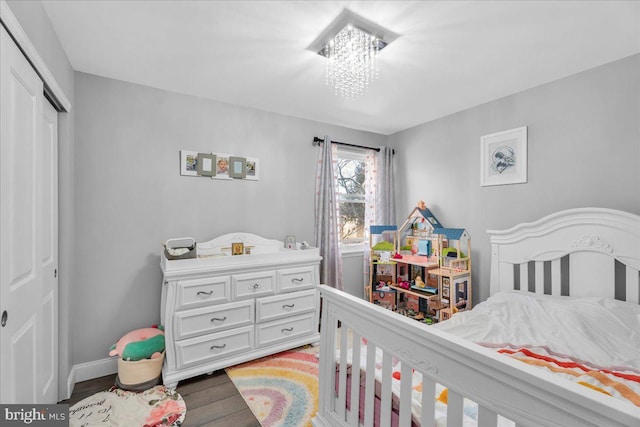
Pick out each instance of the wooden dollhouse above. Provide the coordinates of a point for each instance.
(431, 276)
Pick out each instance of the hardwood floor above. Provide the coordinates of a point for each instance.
(212, 400)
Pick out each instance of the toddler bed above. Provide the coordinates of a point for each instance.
(506, 362)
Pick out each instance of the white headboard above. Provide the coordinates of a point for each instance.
(577, 252)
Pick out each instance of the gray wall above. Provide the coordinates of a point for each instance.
(130, 195)
(583, 149)
(36, 24)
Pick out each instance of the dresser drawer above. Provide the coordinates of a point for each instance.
(216, 318)
(220, 345)
(280, 306)
(295, 279)
(286, 329)
(200, 292)
(251, 285)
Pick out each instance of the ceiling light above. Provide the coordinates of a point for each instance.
(350, 44)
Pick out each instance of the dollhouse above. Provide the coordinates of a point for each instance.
(429, 276)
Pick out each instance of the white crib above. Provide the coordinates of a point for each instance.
(578, 252)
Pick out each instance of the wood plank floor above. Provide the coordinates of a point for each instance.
(212, 400)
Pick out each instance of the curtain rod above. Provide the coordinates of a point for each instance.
(318, 141)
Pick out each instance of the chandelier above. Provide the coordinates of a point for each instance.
(351, 44)
(351, 64)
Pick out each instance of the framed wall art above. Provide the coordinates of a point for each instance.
(253, 169)
(188, 163)
(222, 166)
(219, 166)
(503, 157)
(237, 167)
(206, 164)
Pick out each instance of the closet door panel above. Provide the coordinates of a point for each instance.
(21, 106)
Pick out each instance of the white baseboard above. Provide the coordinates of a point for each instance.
(90, 370)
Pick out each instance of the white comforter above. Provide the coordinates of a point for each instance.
(602, 331)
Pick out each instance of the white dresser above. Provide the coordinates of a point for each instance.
(220, 309)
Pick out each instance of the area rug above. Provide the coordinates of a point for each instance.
(281, 390)
(157, 406)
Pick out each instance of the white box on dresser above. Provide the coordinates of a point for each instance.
(219, 310)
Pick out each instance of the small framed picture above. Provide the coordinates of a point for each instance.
(253, 169)
(503, 157)
(222, 166)
(206, 164)
(445, 290)
(237, 248)
(237, 167)
(188, 163)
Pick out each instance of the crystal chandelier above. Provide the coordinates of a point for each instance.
(351, 64)
(350, 44)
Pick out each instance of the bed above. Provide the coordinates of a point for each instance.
(471, 376)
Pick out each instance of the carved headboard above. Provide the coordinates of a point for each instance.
(578, 252)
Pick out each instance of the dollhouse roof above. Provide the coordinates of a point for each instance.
(379, 229)
(429, 216)
(452, 233)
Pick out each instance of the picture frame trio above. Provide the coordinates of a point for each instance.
(219, 166)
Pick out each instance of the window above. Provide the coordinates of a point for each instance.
(351, 177)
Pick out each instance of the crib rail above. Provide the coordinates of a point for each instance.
(499, 385)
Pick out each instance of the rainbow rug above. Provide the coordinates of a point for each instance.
(281, 390)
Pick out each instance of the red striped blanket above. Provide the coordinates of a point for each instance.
(617, 381)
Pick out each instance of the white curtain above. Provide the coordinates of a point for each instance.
(379, 197)
(327, 214)
(369, 211)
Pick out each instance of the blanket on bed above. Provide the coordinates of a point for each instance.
(616, 381)
(593, 342)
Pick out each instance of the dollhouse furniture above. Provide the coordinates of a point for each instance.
(564, 259)
(220, 309)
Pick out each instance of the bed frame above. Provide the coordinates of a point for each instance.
(578, 252)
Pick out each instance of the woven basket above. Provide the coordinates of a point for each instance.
(139, 371)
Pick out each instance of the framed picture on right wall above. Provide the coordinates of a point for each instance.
(503, 157)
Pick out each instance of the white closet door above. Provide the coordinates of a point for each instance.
(21, 214)
(48, 154)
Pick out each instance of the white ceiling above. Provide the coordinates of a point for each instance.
(451, 55)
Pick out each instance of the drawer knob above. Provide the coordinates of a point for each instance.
(205, 293)
(255, 286)
(218, 347)
(283, 330)
(219, 319)
(286, 306)
(299, 280)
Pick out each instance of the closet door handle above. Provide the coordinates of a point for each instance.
(213, 319)
(218, 347)
(205, 293)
